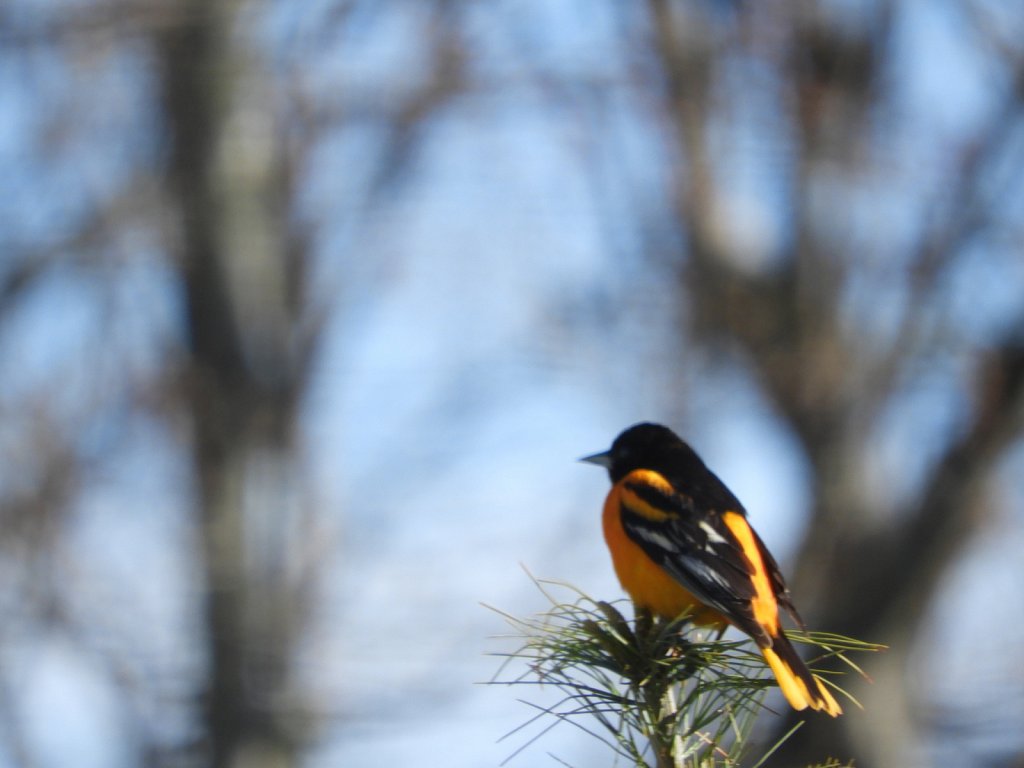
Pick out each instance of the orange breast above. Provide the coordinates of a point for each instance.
(645, 581)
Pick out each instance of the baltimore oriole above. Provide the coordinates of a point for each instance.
(680, 539)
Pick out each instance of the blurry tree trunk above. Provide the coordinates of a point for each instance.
(857, 575)
(243, 376)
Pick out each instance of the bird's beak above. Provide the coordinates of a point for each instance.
(601, 459)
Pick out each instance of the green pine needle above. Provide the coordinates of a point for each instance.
(654, 691)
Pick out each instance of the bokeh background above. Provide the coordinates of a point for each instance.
(307, 309)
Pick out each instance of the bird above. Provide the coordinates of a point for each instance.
(680, 540)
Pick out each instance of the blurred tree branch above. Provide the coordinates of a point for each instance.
(235, 136)
(826, 382)
(252, 335)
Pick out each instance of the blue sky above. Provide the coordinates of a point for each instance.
(494, 323)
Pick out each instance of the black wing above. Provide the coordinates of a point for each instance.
(697, 549)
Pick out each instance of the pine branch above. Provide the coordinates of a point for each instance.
(654, 691)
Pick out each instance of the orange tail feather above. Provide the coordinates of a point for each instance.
(800, 687)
